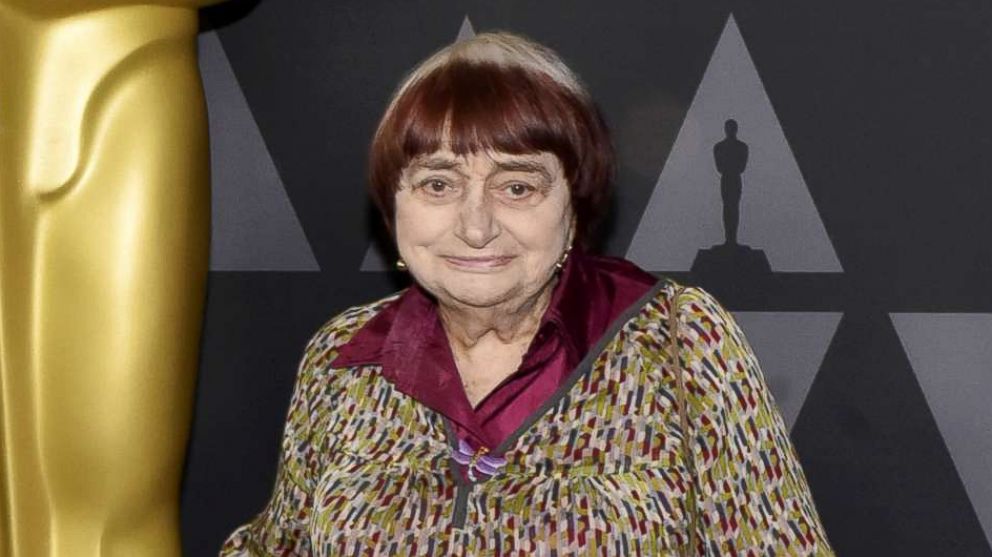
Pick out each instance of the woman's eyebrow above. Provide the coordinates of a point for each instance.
(525, 166)
(437, 163)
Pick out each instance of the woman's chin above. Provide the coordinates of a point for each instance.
(478, 297)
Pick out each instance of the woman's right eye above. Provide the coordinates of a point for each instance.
(434, 187)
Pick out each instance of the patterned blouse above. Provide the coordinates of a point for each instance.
(597, 470)
(407, 339)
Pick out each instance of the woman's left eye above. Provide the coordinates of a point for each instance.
(519, 190)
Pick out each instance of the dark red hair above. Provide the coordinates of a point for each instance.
(499, 107)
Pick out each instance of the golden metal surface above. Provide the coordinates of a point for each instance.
(104, 231)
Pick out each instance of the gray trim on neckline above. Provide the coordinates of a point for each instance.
(581, 370)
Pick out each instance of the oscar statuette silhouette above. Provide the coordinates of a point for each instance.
(731, 263)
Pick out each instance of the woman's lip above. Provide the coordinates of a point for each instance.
(479, 262)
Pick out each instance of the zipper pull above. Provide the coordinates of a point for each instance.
(477, 460)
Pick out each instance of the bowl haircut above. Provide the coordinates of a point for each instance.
(496, 92)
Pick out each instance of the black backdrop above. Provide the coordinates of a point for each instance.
(882, 106)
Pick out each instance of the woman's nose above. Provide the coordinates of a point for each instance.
(477, 225)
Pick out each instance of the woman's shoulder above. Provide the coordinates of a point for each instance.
(323, 345)
(694, 302)
(709, 338)
(690, 299)
(701, 317)
(704, 319)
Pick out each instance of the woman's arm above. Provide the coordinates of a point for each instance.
(282, 527)
(752, 496)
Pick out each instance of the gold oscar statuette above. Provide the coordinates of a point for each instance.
(104, 234)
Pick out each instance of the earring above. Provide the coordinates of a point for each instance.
(400, 264)
(560, 264)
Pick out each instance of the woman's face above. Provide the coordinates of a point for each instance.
(483, 229)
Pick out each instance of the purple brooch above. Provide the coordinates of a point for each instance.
(477, 460)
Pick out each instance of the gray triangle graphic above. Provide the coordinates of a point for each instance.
(790, 347)
(254, 226)
(951, 354)
(685, 211)
(466, 32)
(375, 260)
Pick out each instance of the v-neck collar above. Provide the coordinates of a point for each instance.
(407, 339)
(581, 370)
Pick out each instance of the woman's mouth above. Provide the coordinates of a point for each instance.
(478, 262)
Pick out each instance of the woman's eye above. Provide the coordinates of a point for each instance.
(519, 190)
(435, 188)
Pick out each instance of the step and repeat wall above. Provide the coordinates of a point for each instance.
(857, 132)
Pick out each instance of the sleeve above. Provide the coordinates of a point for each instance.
(281, 529)
(752, 497)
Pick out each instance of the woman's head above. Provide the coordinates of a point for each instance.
(490, 148)
(496, 92)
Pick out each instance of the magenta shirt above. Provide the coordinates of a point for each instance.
(407, 339)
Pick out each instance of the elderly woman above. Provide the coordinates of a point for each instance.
(524, 396)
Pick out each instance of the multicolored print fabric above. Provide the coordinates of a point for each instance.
(598, 470)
